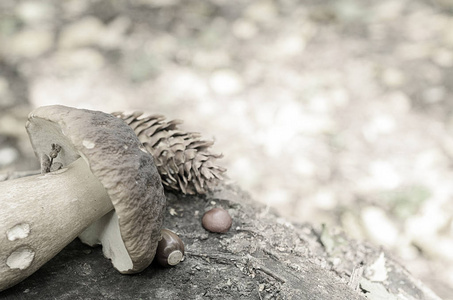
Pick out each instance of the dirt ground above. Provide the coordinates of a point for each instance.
(335, 112)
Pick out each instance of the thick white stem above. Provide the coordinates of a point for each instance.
(40, 215)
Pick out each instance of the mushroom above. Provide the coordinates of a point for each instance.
(170, 250)
(107, 192)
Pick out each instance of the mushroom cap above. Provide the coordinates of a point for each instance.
(123, 166)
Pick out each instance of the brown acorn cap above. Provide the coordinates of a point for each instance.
(170, 250)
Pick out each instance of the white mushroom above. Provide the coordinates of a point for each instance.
(105, 167)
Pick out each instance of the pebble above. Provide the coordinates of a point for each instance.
(379, 227)
(244, 29)
(326, 199)
(399, 102)
(85, 32)
(290, 45)
(159, 3)
(443, 57)
(261, 11)
(392, 77)
(381, 124)
(8, 156)
(383, 175)
(303, 166)
(79, 59)
(434, 94)
(276, 196)
(114, 35)
(33, 12)
(389, 10)
(31, 43)
(226, 82)
(352, 225)
(411, 51)
(6, 98)
(211, 59)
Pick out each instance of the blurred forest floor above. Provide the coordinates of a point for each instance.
(336, 112)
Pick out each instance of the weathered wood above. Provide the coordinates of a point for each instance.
(261, 257)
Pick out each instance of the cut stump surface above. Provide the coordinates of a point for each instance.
(261, 257)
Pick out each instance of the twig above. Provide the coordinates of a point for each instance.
(271, 254)
(259, 294)
(225, 259)
(270, 273)
(355, 278)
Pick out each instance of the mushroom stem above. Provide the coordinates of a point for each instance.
(41, 214)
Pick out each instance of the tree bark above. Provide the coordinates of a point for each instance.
(261, 257)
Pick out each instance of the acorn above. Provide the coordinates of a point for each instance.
(217, 220)
(170, 249)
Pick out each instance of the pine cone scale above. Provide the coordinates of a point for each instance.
(183, 158)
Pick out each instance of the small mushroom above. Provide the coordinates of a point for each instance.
(217, 220)
(108, 192)
(170, 250)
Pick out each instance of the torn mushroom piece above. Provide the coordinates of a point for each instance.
(108, 191)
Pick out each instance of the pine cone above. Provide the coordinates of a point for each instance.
(182, 158)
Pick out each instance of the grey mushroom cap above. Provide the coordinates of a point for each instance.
(124, 167)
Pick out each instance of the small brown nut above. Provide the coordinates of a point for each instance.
(217, 220)
(170, 250)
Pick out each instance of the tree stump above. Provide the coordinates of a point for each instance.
(261, 257)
